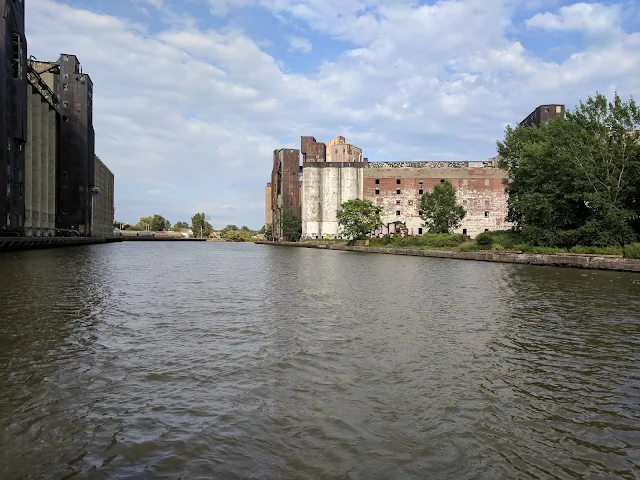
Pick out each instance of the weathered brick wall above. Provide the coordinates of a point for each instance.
(399, 189)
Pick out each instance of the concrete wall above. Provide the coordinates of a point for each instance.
(268, 214)
(399, 189)
(324, 188)
(41, 152)
(102, 211)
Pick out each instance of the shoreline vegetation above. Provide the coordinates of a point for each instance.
(451, 246)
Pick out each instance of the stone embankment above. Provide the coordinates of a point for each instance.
(36, 243)
(572, 261)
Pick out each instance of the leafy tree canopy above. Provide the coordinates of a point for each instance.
(357, 218)
(291, 226)
(576, 181)
(200, 225)
(179, 226)
(440, 212)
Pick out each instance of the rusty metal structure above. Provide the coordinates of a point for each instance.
(13, 115)
(285, 188)
(543, 114)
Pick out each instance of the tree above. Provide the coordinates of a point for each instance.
(156, 223)
(357, 218)
(291, 226)
(575, 181)
(230, 227)
(440, 212)
(200, 226)
(268, 232)
(245, 228)
(179, 226)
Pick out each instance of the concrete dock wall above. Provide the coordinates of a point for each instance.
(572, 261)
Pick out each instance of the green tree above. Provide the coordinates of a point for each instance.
(155, 223)
(231, 227)
(357, 218)
(268, 232)
(179, 226)
(291, 226)
(245, 228)
(200, 226)
(440, 212)
(575, 181)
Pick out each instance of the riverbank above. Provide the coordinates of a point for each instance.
(160, 239)
(570, 260)
(13, 244)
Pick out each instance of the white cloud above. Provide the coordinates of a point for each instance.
(197, 112)
(299, 43)
(587, 17)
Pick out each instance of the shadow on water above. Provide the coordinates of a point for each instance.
(244, 361)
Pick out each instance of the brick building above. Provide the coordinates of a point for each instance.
(398, 188)
(543, 114)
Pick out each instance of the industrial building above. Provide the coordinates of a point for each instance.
(398, 189)
(285, 188)
(102, 195)
(335, 172)
(41, 157)
(543, 114)
(13, 116)
(332, 174)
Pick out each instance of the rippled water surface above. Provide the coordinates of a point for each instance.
(208, 360)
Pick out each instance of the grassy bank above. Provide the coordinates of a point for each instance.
(501, 241)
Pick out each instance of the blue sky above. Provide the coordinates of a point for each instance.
(192, 96)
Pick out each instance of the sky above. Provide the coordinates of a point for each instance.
(191, 97)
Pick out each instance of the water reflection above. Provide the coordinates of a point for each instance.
(240, 361)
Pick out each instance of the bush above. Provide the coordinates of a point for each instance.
(469, 247)
(433, 240)
(632, 250)
(484, 239)
(614, 250)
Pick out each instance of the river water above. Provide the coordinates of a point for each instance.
(209, 360)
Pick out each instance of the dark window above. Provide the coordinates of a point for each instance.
(397, 202)
(65, 75)
(377, 191)
(398, 181)
(398, 212)
(377, 181)
(64, 174)
(420, 182)
(16, 64)
(486, 229)
(398, 192)
(420, 212)
(442, 182)
(420, 192)
(419, 231)
(65, 118)
(65, 86)
(65, 104)
(546, 109)
(486, 214)
(464, 231)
